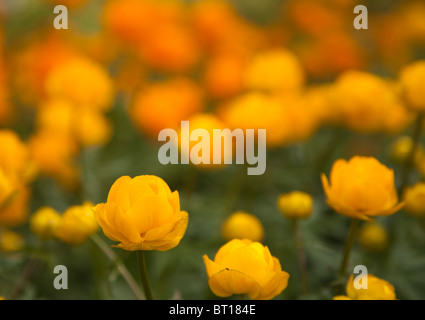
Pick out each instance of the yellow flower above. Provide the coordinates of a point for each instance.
(82, 82)
(44, 222)
(401, 148)
(15, 157)
(274, 70)
(77, 224)
(361, 188)
(245, 267)
(242, 225)
(373, 237)
(412, 82)
(377, 289)
(414, 199)
(14, 198)
(10, 241)
(142, 214)
(295, 205)
(368, 103)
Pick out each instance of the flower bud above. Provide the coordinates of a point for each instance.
(373, 237)
(242, 225)
(295, 205)
(44, 222)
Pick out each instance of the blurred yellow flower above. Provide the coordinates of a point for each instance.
(414, 199)
(242, 225)
(401, 148)
(81, 81)
(77, 224)
(373, 236)
(164, 105)
(44, 222)
(208, 122)
(142, 214)
(54, 155)
(368, 103)
(412, 82)
(87, 126)
(15, 158)
(10, 241)
(378, 289)
(274, 70)
(14, 199)
(295, 205)
(361, 188)
(245, 267)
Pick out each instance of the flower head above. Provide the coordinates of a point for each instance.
(377, 289)
(373, 237)
(44, 222)
(245, 267)
(77, 224)
(414, 199)
(142, 214)
(361, 188)
(412, 81)
(295, 205)
(242, 225)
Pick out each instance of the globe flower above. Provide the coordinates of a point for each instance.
(165, 105)
(245, 267)
(14, 198)
(377, 289)
(142, 214)
(369, 104)
(10, 241)
(361, 188)
(373, 237)
(77, 224)
(401, 148)
(44, 222)
(82, 82)
(412, 83)
(242, 225)
(295, 205)
(414, 199)
(274, 70)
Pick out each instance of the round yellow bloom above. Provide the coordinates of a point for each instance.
(412, 81)
(44, 222)
(274, 70)
(242, 225)
(15, 157)
(82, 82)
(361, 188)
(295, 205)
(142, 214)
(401, 148)
(77, 224)
(14, 199)
(87, 126)
(414, 199)
(10, 241)
(377, 289)
(373, 237)
(245, 267)
(368, 103)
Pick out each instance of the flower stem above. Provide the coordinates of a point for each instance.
(301, 257)
(120, 266)
(347, 250)
(144, 274)
(408, 164)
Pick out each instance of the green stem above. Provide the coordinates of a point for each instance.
(301, 257)
(144, 274)
(347, 249)
(119, 264)
(416, 134)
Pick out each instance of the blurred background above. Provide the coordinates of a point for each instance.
(83, 106)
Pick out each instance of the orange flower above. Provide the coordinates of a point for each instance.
(165, 105)
(245, 267)
(142, 214)
(361, 188)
